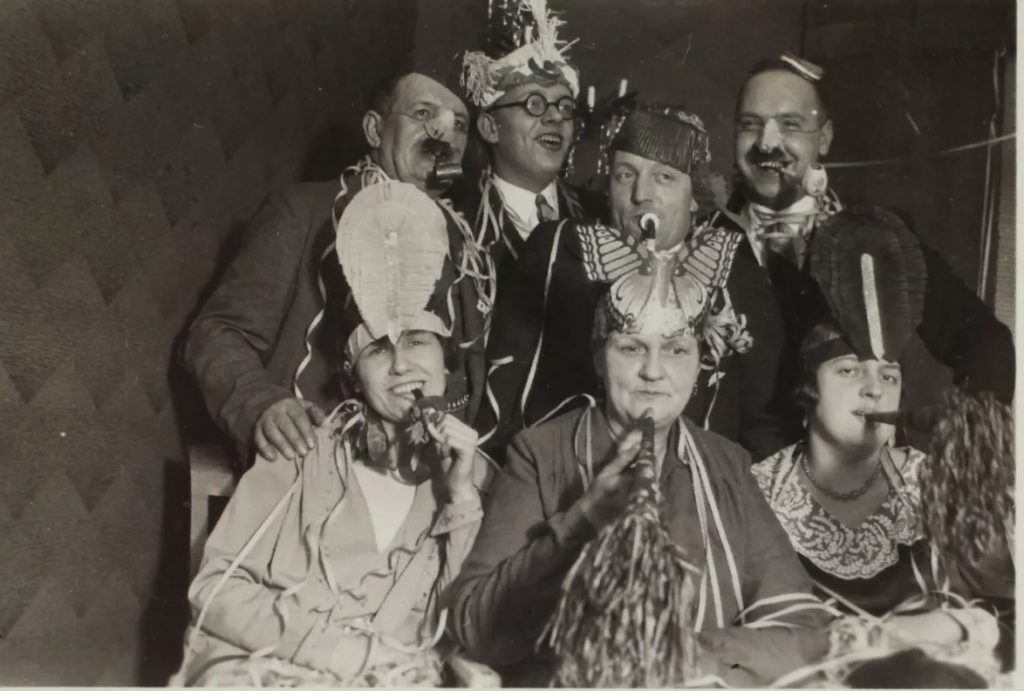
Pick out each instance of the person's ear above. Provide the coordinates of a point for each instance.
(487, 126)
(371, 128)
(825, 139)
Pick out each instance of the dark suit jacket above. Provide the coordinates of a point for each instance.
(509, 252)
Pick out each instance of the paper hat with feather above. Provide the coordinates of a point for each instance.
(526, 35)
(392, 246)
(872, 274)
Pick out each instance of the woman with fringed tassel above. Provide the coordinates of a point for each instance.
(900, 541)
(706, 589)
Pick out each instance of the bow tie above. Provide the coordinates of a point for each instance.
(783, 233)
(768, 220)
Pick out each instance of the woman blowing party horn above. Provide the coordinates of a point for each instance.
(329, 570)
(605, 559)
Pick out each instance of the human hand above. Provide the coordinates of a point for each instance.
(286, 429)
(457, 442)
(608, 494)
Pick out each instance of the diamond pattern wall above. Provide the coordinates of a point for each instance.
(137, 136)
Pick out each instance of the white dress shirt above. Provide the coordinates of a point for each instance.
(521, 204)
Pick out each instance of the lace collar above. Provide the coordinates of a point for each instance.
(848, 553)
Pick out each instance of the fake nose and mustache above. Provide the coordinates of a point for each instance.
(440, 133)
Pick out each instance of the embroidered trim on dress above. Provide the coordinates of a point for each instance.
(848, 553)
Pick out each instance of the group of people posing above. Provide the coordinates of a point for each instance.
(438, 398)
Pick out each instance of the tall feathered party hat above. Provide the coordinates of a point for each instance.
(392, 244)
(525, 32)
(871, 271)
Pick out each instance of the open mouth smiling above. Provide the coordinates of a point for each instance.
(407, 388)
(772, 166)
(551, 141)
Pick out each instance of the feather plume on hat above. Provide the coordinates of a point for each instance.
(872, 274)
(537, 53)
(392, 244)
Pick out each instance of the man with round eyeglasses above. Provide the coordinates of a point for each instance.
(536, 105)
(526, 123)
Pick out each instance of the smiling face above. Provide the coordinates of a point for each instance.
(401, 137)
(528, 151)
(848, 386)
(641, 185)
(642, 372)
(780, 130)
(388, 373)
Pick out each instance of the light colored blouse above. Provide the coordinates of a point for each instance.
(293, 586)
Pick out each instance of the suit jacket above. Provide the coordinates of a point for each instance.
(496, 231)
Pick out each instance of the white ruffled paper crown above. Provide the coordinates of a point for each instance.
(540, 56)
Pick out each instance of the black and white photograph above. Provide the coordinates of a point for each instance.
(522, 343)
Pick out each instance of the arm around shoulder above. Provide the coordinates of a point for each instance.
(231, 339)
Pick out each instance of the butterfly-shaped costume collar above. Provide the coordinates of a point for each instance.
(669, 291)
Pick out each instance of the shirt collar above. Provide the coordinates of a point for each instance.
(803, 205)
(522, 203)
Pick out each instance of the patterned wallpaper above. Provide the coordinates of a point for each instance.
(136, 137)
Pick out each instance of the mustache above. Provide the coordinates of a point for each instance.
(439, 149)
(755, 155)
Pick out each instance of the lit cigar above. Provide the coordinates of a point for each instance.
(915, 418)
